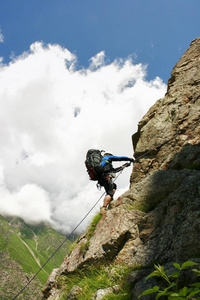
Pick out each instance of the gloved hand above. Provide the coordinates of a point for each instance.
(126, 165)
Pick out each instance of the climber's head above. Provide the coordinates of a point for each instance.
(107, 153)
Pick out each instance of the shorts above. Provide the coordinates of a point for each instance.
(108, 186)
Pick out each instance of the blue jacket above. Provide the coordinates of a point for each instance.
(108, 159)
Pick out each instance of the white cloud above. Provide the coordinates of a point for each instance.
(25, 203)
(51, 114)
(97, 61)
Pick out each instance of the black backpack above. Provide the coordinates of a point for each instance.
(93, 164)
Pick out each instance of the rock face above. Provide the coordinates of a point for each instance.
(109, 240)
(166, 181)
(158, 218)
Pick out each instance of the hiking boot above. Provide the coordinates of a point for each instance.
(103, 210)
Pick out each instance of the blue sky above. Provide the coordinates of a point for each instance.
(157, 32)
(76, 75)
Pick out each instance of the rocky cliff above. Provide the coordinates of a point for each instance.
(158, 218)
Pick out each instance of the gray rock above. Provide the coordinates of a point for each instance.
(50, 284)
(116, 238)
(73, 294)
(142, 286)
(101, 293)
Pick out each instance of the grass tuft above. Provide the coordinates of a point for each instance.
(93, 278)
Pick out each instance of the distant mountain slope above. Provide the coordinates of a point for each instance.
(23, 250)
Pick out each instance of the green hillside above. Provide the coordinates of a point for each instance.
(26, 248)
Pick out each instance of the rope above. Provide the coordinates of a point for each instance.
(68, 236)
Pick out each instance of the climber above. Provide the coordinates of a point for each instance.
(106, 180)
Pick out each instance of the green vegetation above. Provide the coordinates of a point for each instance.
(173, 291)
(93, 225)
(31, 246)
(141, 206)
(73, 245)
(93, 278)
(89, 232)
(101, 276)
(145, 205)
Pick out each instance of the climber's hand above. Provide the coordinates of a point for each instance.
(126, 165)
